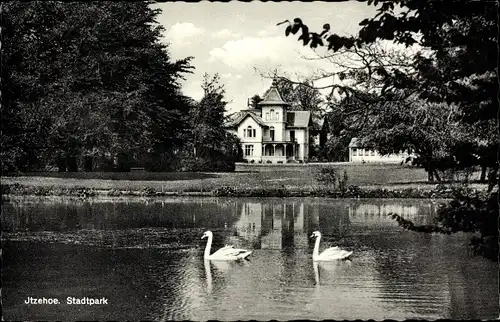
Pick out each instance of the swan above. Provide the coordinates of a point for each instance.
(227, 253)
(329, 254)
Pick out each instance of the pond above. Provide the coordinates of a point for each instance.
(145, 258)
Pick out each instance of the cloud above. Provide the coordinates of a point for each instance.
(225, 33)
(182, 33)
(231, 76)
(270, 30)
(248, 52)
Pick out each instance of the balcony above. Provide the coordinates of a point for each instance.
(267, 139)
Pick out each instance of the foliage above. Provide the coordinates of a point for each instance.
(332, 178)
(210, 147)
(86, 80)
(455, 62)
(254, 100)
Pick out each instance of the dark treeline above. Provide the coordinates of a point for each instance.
(89, 86)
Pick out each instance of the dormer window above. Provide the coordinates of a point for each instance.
(272, 114)
(249, 132)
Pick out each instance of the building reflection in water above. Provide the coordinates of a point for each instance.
(272, 225)
(280, 224)
(379, 211)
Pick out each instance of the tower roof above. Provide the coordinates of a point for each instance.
(273, 96)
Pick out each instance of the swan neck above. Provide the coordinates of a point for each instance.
(209, 275)
(207, 248)
(316, 246)
(316, 273)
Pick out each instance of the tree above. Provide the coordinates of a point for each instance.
(456, 63)
(255, 100)
(213, 148)
(455, 71)
(307, 98)
(85, 81)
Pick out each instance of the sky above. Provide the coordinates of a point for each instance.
(241, 41)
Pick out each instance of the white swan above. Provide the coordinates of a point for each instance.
(329, 254)
(227, 253)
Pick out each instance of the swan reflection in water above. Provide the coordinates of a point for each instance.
(331, 267)
(220, 266)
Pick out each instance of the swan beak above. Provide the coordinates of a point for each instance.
(311, 236)
(203, 236)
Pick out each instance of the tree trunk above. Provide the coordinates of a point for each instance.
(430, 175)
(72, 164)
(492, 178)
(88, 163)
(483, 173)
(436, 174)
(61, 164)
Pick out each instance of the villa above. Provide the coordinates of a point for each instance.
(270, 133)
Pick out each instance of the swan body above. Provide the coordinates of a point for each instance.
(329, 254)
(226, 253)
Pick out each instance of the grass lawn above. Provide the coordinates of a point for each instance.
(367, 175)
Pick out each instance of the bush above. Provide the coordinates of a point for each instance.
(331, 177)
(457, 174)
(162, 162)
(204, 165)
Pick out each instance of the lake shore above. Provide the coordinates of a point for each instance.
(225, 185)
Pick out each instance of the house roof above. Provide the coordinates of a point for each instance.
(298, 118)
(273, 96)
(236, 118)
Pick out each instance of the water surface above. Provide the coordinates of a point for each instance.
(146, 258)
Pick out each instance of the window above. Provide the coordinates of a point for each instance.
(354, 152)
(272, 114)
(267, 116)
(248, 150)
(277, 116)
(372, 152)
(244, 132)
(250, 133)
(271, 133)
(254, 133)
(367, 152)
(292, 136)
